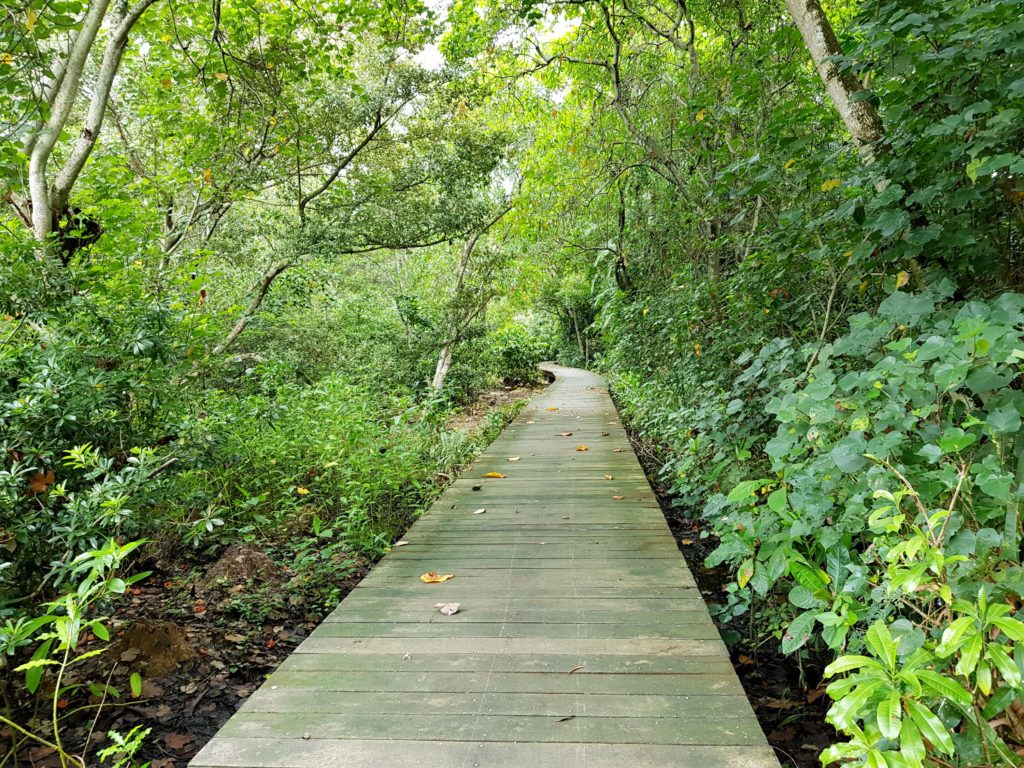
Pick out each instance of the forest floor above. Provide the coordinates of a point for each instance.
(204, 634)
(789, 700)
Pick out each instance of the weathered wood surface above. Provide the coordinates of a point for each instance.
(581, 640)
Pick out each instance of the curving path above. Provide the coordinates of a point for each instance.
(581, 640)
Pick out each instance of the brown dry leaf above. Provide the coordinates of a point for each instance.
(687, 542)
(618, 498)
(40, 481)
(513, 458)
(234, 637)
(576, 669)
(744, 660)
(780, 704)
(178, 741)
(814, 694)
(609, 477)
(564, 434)
(605, 434)
(448, 609)
(582, 447)
(430, 577)
(563, 719)
(493, 474)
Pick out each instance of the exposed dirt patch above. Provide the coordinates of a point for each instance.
(472, 416)
(788, 698)
(153, 648)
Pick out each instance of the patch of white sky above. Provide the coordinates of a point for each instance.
(431, 57)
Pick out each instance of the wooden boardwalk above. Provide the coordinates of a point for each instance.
(580, 642)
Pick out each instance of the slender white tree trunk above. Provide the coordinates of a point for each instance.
(860, 118)
(444, 364)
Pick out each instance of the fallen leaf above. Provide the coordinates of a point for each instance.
(609, 477)
(475, 488)
(513, 458)
(780, 704)
(687, 542)
(552, 408)
(479, 511)
(814, 694)
(178, 741)
(430, 577)
(618, 498)
(447, 608)
(401, 543)
(618, 450)
(302, 491)
(493, 474)
(563, 719)
(565, 434)
(744, 660)
(582, 447)
(40, 481)
(576, 669)
(605, 434)
(531, 422)
(234, 637)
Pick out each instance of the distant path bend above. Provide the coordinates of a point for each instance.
(581, 640)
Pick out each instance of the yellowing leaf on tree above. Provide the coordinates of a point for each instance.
(221, 76)
(493, 474)
(207, 175)
(582, 447)
(430, 577)
(701, 115)
(829, 185)
(40, 481)
(789, 164)
(30, 20)
(272, 120)
(6, 58)
(902, 279)
(167, 83)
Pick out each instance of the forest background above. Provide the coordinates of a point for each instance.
(256, 255)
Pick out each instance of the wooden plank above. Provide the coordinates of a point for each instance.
(581, 640)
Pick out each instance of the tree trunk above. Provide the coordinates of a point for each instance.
(860, 118)
(444, 364)
(257, 299)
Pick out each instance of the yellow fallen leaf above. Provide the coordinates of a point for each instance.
(493, 474)
(302, 491)
(552, 408)
(609, 477)
(618, 498)
(430, 577)
(687, 542)
(582, 447)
